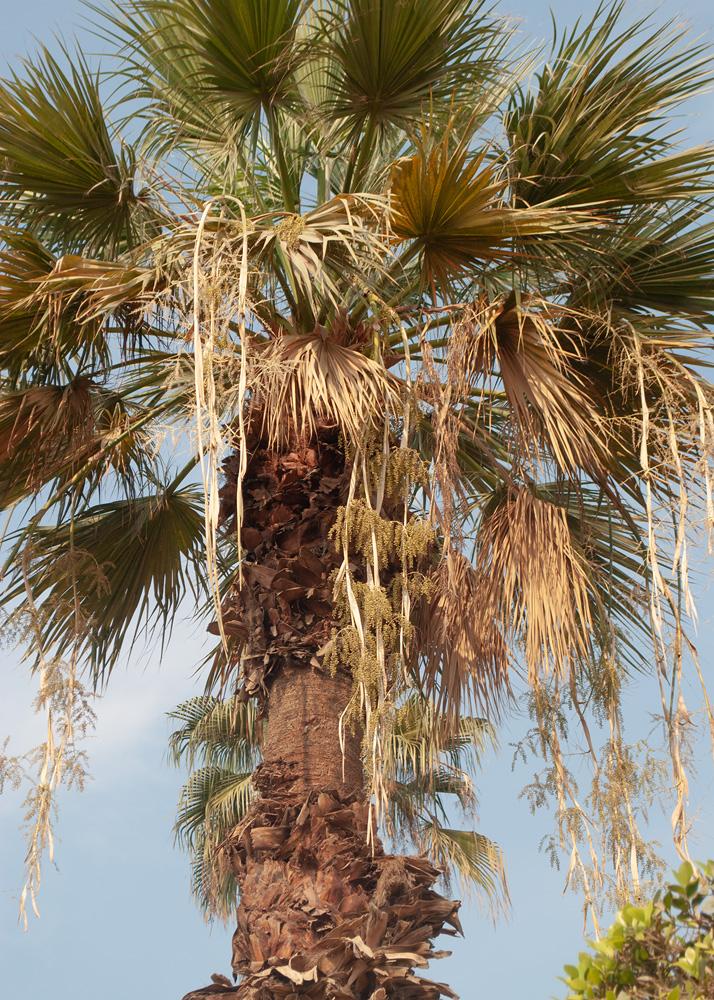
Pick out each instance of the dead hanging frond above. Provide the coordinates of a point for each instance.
(675, 425)
(520, 343)
(297, 382)
(446, 398)
(59, 432)
(219, 298)
(464, 657)
(44, 431)
(534, 582)
(305, 382)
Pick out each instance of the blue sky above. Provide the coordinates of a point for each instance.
(116, 916)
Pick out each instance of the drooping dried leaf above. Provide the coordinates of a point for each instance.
(309, 381)
(550, 401)
(533, 581)
(465, 656)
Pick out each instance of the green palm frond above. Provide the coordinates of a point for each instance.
(656, 263)
(218, 743)
(450, 205)
(247, 50)
(212, 803)
(67, 174)
(225, 734)
(393, 62)
(217, 68)
(425, 765)
(430, 765)
(591, 132)
(475, 859)
(118, 568)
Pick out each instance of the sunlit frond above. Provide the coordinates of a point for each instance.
(550, 401)
(450, 205)
(333, 247)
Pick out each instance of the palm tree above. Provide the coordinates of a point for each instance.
(433, 337)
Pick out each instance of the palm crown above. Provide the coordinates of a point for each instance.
(470, 311)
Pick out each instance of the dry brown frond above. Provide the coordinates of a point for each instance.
(466, 658)
(306, 381)
(445, 397)
(44, 430)
(534, 582)
(548, 399)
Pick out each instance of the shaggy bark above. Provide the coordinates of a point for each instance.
(282, 610)
(324, 912)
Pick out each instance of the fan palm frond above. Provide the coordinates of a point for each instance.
(66, 173)
(303, 381)
(394, 60)
(450, 205)
(591, 131)
(117, 568)
(54, 432)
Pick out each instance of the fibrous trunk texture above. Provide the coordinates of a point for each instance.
(324, 912)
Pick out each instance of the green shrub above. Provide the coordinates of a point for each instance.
(661, 951)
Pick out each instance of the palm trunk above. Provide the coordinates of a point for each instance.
(324, 912)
